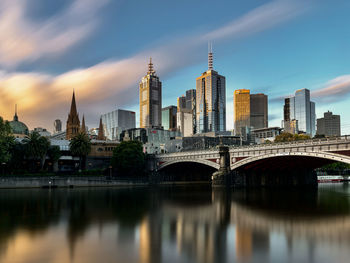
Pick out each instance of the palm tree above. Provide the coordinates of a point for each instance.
(37, 147)
(54, 153)
(80, 146)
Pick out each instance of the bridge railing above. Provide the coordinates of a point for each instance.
(318, 141)
(273, 145)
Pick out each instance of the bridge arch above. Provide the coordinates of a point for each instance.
(200, 161)
(320, 155)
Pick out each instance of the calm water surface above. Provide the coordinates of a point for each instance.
(175, 224)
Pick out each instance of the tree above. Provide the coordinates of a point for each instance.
(80, 146)
(128, 158)
(36, 148)
(6, 141)
(288, 137)
(54, 154)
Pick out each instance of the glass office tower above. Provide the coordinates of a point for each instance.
(302, 110)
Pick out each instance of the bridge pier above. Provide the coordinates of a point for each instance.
(223, 176)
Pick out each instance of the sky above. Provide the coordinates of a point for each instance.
(101, 50)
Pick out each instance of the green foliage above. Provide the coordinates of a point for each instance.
(288, 137)
(128, 158)
(80, 146)
(336, 166)
(54, 153)
(36, 148)
(6, 141)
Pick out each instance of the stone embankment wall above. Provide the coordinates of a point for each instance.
(53, 182)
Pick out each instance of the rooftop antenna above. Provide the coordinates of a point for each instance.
(210, 56)
(150, 66)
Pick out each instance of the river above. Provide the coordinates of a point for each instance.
(175, 224)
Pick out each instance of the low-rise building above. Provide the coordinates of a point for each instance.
(259, 136)
(329, 125)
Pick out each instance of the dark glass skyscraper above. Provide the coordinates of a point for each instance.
(210, 100)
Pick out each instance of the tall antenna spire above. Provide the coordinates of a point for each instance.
(150, 66)
(210, 56)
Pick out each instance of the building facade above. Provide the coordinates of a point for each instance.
(150, 99)
(169, 118)
(181, 103)
(210, 100)
(241, 109)
(301, 109)
(258, 111)
(329, 125)
(116, 121)
(250, 111)
(185, 122)
(57, 126)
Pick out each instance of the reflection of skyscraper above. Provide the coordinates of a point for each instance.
(150, 99)
(210, 100)
(150, 241)
(57, 126)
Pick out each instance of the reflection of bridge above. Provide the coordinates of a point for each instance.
(277, 156)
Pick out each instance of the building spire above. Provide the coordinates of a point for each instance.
(15, 118)
(73, 106)
(210, 56)
(83, 127)
(100, 135)
(150, 66)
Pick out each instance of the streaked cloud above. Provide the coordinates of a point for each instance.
(43, 97)
(22, 39)
(336, 89)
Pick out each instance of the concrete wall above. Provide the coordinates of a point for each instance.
(42, 182)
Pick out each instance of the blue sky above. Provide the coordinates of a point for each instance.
(101, 49)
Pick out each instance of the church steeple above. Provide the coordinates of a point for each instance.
(101, 135)
(83, 127)
(73, 122)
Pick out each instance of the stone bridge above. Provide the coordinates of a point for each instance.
(286, 156)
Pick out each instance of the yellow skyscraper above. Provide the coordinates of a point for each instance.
(241, 108)
(150, 99)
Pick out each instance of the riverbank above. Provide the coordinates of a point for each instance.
(71, 181)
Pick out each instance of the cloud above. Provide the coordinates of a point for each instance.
(100, 88)
(336, 89)
(22, 39)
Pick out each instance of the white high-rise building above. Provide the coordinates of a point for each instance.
(116, 121)
(150, 99)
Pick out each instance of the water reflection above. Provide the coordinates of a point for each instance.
(175, 224)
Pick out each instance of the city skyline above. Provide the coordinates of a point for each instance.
(264, 46)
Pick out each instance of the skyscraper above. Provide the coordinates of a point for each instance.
(73, 122)
(241, 107)
(210, 100)
(250, 110)
(57, 126)
(169, 118)
(150, 99)
(299, 108)
(191, 106)
(181, 103)
(329, 125)
(258, 111)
